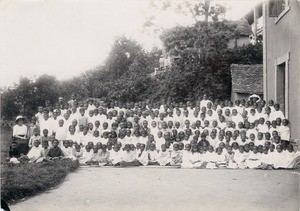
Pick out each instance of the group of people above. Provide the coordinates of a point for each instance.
(203, 134)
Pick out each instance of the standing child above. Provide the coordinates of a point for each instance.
(33, 125)
(60, 131)
(284, 132)
(35, 136)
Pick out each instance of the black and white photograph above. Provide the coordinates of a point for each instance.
(150, 105)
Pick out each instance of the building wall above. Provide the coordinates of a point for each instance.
(282, 39)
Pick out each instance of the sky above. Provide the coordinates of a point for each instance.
(64, 38)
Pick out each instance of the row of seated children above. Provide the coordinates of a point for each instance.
(188, 156)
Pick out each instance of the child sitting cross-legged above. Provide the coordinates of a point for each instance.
(128, 157)
(104, 156)
(115, 156)
(55, 151)
(176, 156)
(67, 150)
(153, 155)
(94, 159)
(14, 153)
(164, 157)
(35, 153)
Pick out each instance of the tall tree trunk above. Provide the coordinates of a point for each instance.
(206, 10)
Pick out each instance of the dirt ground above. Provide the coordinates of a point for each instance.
(95, 188)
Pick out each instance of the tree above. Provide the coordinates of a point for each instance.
(121, 56)
(201, 10)
(203, 57)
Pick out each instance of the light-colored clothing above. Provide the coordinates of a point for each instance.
(153, 155)
(176, 157)
(253, 160)
(68, 152)
(19, 130)
(142, 157)
(115, 157)
(35, 153)
(163, 158)
(34, 138)
(128, 156)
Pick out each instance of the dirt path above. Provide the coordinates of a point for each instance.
(169, 189)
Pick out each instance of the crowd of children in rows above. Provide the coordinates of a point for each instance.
(202, 134)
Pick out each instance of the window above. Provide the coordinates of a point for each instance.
(276, 7)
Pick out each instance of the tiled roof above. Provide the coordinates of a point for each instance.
(247, 78)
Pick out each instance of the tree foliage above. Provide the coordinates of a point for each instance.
(202, 66)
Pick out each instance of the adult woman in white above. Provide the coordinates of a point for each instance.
(20, 135)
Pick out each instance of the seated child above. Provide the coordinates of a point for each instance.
(142, 155)
(240, 158)
(210, 158)
(95, 156)
(45, 136)
(186, 156)
(292, 158)
(176, 156)
(254, 159)
(153, 155)
(279, 158)
(164, 157)
(67, 150)
(35, 153)
(13, 153)
(229, 156)
(220, 158)
(55, 151)
(266, 162)
(128, 157)
(45, 149)
(86, 155)
(115, 156)
(78, 152)
(104, 156)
